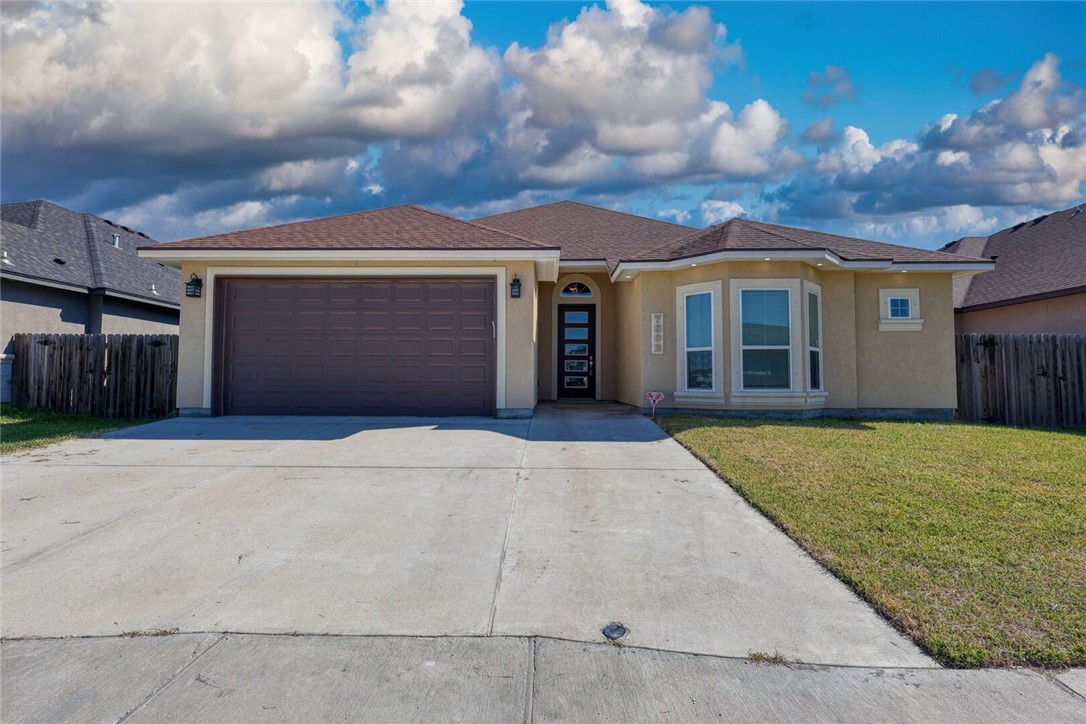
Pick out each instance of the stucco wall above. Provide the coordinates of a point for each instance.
(120, 316)
(863, 367)
(630, 348)
(545, 359)
(36, 309)
(521, 332)
(906, 369)
(1059, 315)
(839, 334)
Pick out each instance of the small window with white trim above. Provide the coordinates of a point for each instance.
(899, 310)
(766, 347)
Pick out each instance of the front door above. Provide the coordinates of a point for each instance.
(576, 351)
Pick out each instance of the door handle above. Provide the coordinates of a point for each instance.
(591, 365)
(494, 329)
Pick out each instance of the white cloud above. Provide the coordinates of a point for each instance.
(331, 177)
(417, 72)
(943, 224)
(677, 215)
(200, 74)
(622, 89)
(715, 212)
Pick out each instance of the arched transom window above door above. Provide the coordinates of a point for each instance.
(576, 289)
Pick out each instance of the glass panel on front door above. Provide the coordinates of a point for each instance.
(576, 351)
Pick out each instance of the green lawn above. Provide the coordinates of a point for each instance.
(30, 428)
(971, 539)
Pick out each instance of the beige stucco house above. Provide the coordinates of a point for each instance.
(408, 312)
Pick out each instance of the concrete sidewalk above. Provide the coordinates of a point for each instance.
(260, 678)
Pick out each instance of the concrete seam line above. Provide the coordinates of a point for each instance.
(529, 684)
(177, 674)
(473, 637)
(1073, 692)
(508, 529)
(501, 559)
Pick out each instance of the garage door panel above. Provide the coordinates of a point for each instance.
(443, 293)
(358, 346)
(407, 292)
(475, 322)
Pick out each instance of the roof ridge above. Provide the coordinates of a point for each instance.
(625, 213)
(678, 241)
(284, 224)
(594, 208)
(772, 231)
(97, 272)
(38, 205)
(477, 225)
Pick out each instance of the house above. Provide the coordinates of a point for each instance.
(406, 311)
(63, 272)
(1039, 281)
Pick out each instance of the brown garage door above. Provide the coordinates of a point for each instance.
(356, 347)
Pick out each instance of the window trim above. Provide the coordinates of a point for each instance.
(796, 366)
(912, 323)
(812, 289)
(716, 293)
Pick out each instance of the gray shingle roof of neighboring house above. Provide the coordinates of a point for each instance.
(587, 233)
(403, 227)
(1037, 259)
(48, 243)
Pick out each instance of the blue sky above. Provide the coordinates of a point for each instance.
(910, 122)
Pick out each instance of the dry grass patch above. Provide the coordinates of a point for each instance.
(971, 539)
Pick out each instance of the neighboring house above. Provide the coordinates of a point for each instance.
(63, 272)
(406, 311)
(1039, 281)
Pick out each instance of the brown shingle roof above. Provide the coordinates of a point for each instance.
(743, 234)
(394, 228)
(1038, 258)
(587, 232)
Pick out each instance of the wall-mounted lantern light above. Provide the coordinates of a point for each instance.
(194, 287)
(514, 287)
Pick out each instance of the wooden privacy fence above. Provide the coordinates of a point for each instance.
(1030, 380)
(122, 376)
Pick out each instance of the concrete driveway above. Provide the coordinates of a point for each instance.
(437, 570)
(549, 527)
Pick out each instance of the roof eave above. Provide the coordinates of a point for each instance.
(546, 259)
(816, 257)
